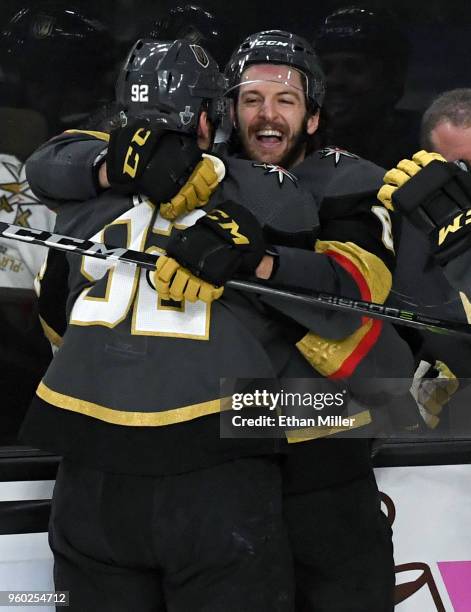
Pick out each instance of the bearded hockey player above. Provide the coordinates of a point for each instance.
(323, 475)
(166, 345)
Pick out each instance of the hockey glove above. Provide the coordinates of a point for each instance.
(432, 388)
(227, 239)
(197, 190)
(151, 161)
(437, 200)
(404, 170)
(173, 282)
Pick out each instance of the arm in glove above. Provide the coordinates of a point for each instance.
(403, 172)
(196, 192)
(436, 197)
(227, 239)
(173, 282)
(432, 388)
(161, 164)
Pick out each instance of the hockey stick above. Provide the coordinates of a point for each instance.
(301, 296)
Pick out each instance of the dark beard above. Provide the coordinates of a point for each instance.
(236, 146)
(298, 147)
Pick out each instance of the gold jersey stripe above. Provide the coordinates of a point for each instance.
(328, 355)
(50, 334)
(99, 135)
(312, 433)
(121, 417)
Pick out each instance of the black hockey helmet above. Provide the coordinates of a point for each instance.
(48, 41)
(198, 26)
(170, 83)
(62, 58)
(279, 47)
(365, 30)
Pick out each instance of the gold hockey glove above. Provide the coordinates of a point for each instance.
(174, 282)
(196, 192)
(404, 170)
(436, 199)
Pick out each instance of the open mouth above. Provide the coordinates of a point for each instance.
(269, 138)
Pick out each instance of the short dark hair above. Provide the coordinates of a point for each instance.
(453, 106)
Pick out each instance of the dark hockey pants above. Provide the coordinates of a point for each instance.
(342, 549)
(212, 540)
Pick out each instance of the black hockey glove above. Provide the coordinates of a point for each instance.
(437, 200)
(151, 161)
(227, 239)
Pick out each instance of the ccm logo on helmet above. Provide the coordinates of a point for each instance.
(270, 43)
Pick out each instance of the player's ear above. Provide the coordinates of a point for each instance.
(232, 113)
(312, 124)
(204, 131)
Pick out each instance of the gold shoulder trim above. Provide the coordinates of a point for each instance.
(373, 271)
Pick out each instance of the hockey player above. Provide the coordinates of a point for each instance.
(324, 475)
(54, 48)
(436, 198)
(445, 129)
(151, 509)
(365, 52)
(209, 29)
(335, 269)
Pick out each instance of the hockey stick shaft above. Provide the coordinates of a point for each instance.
(329, 301)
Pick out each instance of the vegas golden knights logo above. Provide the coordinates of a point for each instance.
(43, 26)
(131, 161)
(200, 55)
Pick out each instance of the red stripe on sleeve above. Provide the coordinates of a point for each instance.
(369, 340)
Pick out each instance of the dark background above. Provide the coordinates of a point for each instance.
(439, 30)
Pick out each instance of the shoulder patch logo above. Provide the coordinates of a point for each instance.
(279, 172)
(336, 153)
(43, 26)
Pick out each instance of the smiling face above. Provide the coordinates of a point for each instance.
(272, 117)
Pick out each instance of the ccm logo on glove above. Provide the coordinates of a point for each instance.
(140, 141)
(457, 223)
(231, 226)
(227, 240)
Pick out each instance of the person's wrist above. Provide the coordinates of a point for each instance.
(99, 171)
(268, 265)
(103, 181)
